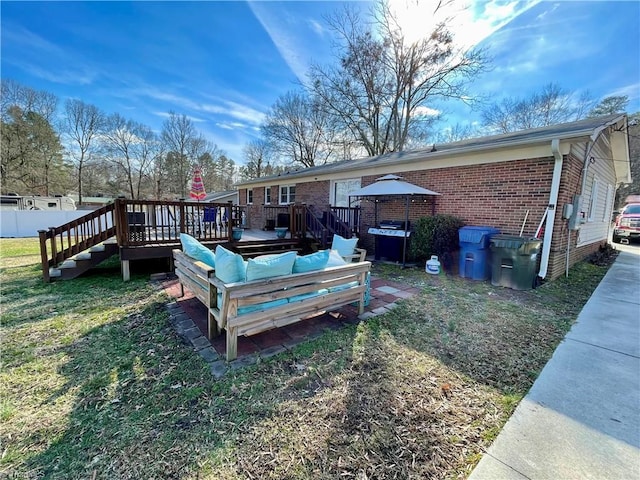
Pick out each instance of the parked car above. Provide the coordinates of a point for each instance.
(627, 224)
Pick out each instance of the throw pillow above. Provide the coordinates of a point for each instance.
(335, 259)
(344, 246)
(268, 266)
(311, 262)
(196, 250)
(230, 267)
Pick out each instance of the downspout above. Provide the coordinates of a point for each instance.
(551, 213)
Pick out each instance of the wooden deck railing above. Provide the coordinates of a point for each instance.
(348, 218)
(144, 222)
(139, 223)
(60, 243)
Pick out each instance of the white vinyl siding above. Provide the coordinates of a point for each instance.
(593, 201)
(597, 197)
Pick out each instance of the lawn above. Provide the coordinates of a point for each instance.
(96, 384)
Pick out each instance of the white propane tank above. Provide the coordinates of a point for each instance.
(433, 265)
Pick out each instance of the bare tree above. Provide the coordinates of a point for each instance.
(131, 147)
(27, 99)
(184, 145)
(257, 155)
(298, 129)
(82, 123)
(549, 106)
(382, 85)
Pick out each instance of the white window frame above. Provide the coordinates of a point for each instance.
(281, 195)
(593, 202)
(267, 195)
(249, 196)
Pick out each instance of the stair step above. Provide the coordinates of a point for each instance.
(98, 248)
(54, 272)
(82, 256)
(68, 264)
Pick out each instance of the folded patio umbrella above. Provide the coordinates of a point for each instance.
(197, 186)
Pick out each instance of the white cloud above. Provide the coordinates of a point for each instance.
(632, 91)
(283, 39)
(469, 21)
(427, 112)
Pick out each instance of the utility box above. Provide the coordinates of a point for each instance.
(514, 261)
(474, 251)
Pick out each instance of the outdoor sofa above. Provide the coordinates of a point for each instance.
(271, 291)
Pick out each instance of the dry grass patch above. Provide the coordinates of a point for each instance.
(96, 384)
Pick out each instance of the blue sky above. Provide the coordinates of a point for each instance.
(224, 64)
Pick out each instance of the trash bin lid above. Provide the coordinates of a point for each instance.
(476, 234)
(516, 242)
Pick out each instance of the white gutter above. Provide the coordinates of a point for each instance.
(551, 212)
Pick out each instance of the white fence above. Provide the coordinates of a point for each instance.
(26, 223)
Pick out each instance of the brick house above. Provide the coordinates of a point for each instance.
(490, 181)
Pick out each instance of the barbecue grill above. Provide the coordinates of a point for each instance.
(390, 235)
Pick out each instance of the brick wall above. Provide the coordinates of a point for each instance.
(496, 195)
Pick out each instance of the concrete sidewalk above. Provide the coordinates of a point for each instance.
(581, 418)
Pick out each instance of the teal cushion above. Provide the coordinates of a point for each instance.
(311, 262)
(196, 250)
(230, 267)
(268, 266)
(339, 288)
(304, 296)
(256, 307)
(262, 306)
(335, 260)
(344, 246)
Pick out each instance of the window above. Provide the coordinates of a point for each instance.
(287, 194)
(267, 195)
(249, 196)
(594, 200)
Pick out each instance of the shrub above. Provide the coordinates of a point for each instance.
(436, 235)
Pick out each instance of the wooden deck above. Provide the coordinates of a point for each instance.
(148, 229)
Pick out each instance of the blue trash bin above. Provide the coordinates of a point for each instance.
(475, 262)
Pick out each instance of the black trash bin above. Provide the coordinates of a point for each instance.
(514, 261)
(283, 220)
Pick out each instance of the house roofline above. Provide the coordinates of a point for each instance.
(583, 129)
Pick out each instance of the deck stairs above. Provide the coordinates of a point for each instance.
(84, 261)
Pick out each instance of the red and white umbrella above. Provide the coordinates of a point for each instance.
(197, 186)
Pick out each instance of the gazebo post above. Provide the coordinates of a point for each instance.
(406, 230)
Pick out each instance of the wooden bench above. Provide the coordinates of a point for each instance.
(238, 308)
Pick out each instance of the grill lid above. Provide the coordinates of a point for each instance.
(393, 224)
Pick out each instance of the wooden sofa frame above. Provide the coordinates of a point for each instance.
(201, 280)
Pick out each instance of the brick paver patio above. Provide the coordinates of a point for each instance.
(189, 317)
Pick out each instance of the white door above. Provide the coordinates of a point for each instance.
(340, 192)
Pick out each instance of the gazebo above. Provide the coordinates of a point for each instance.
(394, 186)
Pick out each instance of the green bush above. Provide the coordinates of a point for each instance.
(436, 235)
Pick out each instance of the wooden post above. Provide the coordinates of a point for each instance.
(182, 215)
(230, 220)
(232, 343)
(126, 274)
(212, 325)
(44, 258)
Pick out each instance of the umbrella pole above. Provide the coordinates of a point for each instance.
(406, 225)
